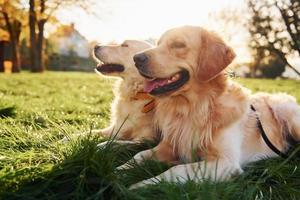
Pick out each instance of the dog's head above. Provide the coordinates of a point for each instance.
(117, 60)
(183, 54)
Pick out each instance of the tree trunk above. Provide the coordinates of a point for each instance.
(16, 64)
(2, 44)
(37, 40)
(32, 23)
(290, 19)
(293, 68)
(40, 42)
(253, 70)
(16, 50)
(14, 31)
(282, 56)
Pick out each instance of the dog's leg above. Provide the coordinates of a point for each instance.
(218, 170)
(162, 152)
(121, 137)
(119, 142)
(138, 158)
(106, 132)
(144, 133)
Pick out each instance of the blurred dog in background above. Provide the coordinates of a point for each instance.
(132, 109)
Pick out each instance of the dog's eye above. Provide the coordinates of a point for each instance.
(124, 45)
(178, 45)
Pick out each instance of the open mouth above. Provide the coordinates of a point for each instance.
(107, 68)
(159, 86)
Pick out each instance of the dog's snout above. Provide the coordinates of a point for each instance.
(140, 59)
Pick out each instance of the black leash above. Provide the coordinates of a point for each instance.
(266, 139)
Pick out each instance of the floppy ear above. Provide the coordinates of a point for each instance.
(214, 56)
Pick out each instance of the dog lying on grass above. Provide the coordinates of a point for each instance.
(132, 109)
(204, 115)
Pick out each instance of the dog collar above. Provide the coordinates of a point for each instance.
(150, 105)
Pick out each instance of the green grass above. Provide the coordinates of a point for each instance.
(38, 110)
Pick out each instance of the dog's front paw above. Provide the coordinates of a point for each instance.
(102, 145)
(125, 166)
(100, 133)
(151, 181)
(106, 132)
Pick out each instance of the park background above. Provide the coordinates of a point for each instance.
(48, 93)
(59, 35)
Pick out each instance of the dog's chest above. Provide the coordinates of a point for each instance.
(180, 124)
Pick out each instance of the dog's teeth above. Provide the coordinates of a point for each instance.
(175, 77)
(169, 81)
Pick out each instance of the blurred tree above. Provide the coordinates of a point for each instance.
(228, 22)
(40, 12)
(272, 66)
(274, 26)
(11, 20)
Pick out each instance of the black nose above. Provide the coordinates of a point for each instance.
(97, 48)
(140, 59)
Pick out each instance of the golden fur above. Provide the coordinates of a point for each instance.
(210, 116)
(126, 115)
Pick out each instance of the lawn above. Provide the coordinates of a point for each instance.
(37, 111)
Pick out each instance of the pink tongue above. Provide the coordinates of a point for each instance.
(151, 85)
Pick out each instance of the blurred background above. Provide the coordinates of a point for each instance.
(39, 35)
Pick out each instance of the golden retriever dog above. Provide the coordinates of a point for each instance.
(132, 109)
(203, 115)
